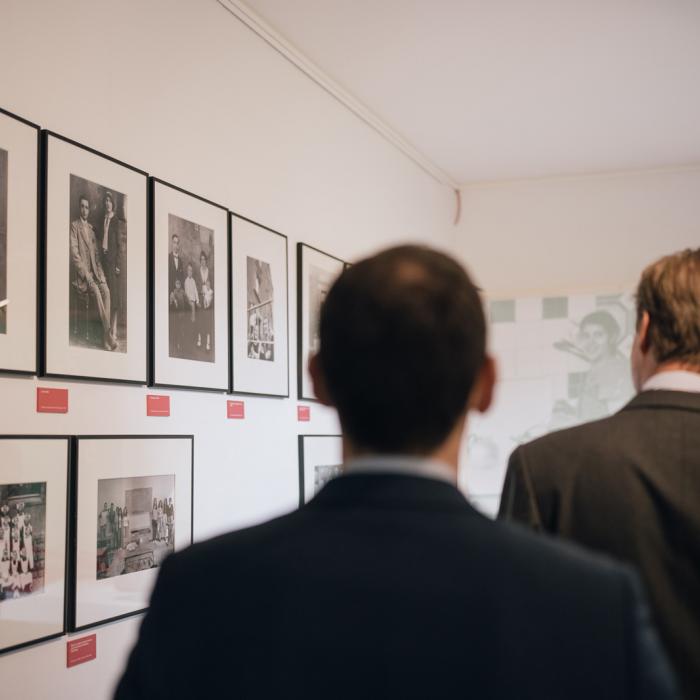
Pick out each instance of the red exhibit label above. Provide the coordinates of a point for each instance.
(157, 405)
(78, 651)
(51, 400)
(303, 413)
(235, 409)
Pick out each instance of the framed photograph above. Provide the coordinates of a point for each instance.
(190, 302)
(316, 272)
(259, 310)
(133, 507)
(19, 201)
(320, 460)
(95, 261)
(34, 474)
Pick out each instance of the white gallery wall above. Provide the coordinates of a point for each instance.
(187, 93)
(568, 235)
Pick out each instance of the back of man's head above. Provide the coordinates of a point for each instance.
(669, 292)
(402, 343)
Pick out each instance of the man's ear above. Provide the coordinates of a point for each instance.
(482, 393)
(643, 332)
(318, 380)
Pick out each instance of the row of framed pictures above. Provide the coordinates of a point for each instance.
(85, 523)
(139, 281)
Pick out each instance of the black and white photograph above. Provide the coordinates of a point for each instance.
(34, 478)
(320, 461)
(135, 523)
(133, 508)
(98, 266)
(320, 281)
(260, 315)
(261, 326)
(22, 539)
(316, 272)
(19, 148)
(96, 272)
(190, 290)
(191, 302)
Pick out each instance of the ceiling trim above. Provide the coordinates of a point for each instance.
(266, 32)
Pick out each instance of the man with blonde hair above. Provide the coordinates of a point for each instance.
(629, 485)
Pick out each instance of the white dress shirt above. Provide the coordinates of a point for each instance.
(404, 465)
(675, 380)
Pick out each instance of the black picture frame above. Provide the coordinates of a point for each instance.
(140, 355)
(32, 368)
(72, 586)
(66, 540)
(153, 380)
(304, 394)
(303, 443)
(233, 389)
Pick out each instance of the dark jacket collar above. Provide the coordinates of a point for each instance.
(663, 398)
(395, 491)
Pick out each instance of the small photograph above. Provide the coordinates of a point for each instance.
(261, 330)
(98, 274)
(22, 539)
(323, 473)
(3, 241)
(135, 523)
(190, 290)
(320, 282)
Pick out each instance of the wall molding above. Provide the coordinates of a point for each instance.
(273, 38)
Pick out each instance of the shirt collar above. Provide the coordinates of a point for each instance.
(401, 464)
(676, 380)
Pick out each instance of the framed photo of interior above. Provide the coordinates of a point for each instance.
(19, 201)
(95, 248)
(190, 297)
(34, 477)
(320, 460)
(259, 303)
(132, 508)
(316, 272)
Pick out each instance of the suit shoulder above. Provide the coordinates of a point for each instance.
(238, 546)
(549, 559)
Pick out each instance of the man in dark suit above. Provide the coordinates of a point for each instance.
(176, 266)
(387, 584)
(629, 485)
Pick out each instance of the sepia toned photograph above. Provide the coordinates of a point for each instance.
(135, 523)
(98, 274)
(22, 539)
(3, 241)
(320, 461)
(191, 303)
(261, 331)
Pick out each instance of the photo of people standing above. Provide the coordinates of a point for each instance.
(3, 241)
(22, 539)
(261, 329)
(135, 523)
(191, 300)
(98, 247)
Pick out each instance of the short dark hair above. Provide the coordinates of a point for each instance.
(83, 197)
(669, 291)
(606, 320)
(403, 338)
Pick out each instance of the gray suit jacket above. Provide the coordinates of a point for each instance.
(628, 486)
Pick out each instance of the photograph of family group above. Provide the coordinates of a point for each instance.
(98, 274)
(191, 320)
(261, 329)
(22, 539)
(135, 523)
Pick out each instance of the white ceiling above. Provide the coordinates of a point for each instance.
(505, 89)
